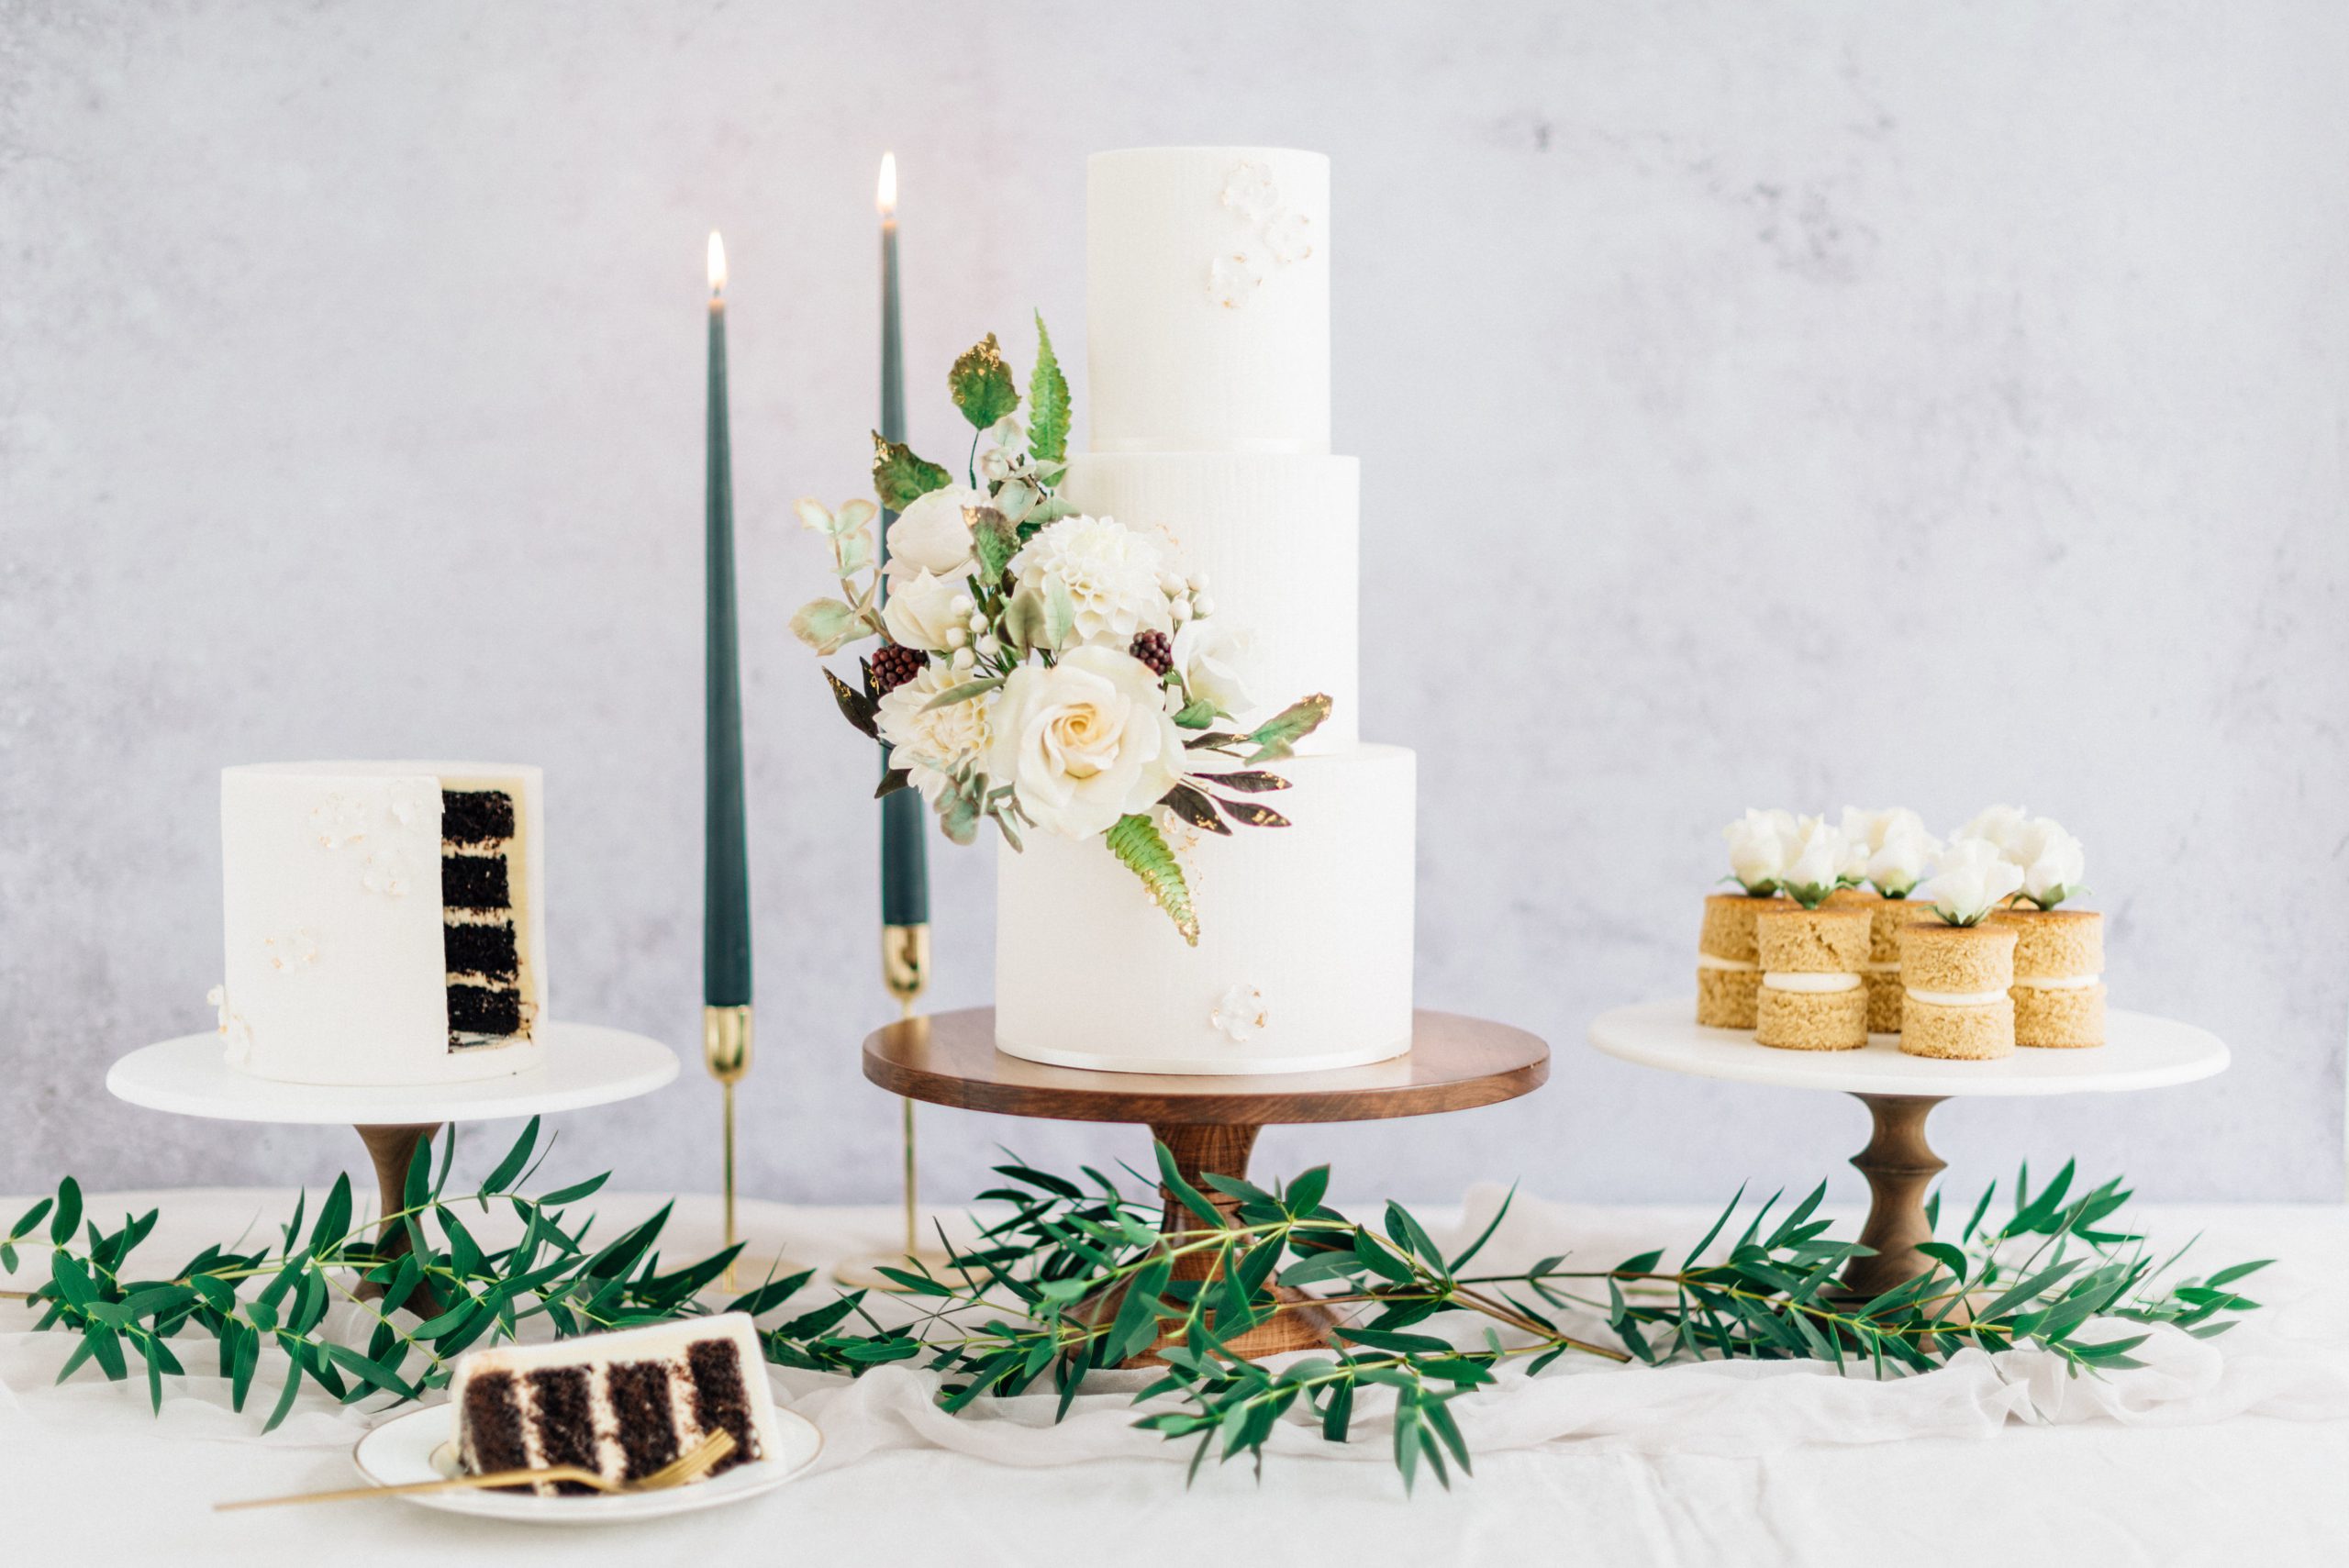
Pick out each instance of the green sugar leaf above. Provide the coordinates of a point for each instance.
(828, 624)
(981, 385)
(994, 539)
(1278, 737)
(1047, 402)
(1193, 807)
(1197, 713)
(900, 478)
(1136, 842)
(854, 705)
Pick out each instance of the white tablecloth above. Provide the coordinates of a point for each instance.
(2218, 1446)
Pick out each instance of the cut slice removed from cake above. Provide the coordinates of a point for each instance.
(622, 1404)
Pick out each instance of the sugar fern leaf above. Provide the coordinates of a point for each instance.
(1136, 842)
(1047, 402)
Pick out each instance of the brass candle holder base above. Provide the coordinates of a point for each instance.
(905, 969)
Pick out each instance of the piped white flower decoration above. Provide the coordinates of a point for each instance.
(1288, 235)
(407, 807)
(389, 871)
(233, 1027)
(338, 820)
(1233, 279)
(298, 949)
(1251, 191)
(1239, 1014)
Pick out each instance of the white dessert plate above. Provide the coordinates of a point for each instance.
(421, 1446)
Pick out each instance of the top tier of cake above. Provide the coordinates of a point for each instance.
(1207, 299)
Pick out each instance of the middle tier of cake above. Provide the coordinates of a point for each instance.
(1304, 957)
(1278, 536)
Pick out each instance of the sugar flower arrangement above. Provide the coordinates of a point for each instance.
(1807, 858)
(1038, 667)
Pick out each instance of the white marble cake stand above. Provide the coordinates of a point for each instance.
(1900, 1090)
(584, 1065)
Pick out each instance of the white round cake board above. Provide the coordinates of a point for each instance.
(585, 1065)
(2139, 1052)
(419, 1445)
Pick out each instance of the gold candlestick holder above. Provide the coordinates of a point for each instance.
(905, 969)
(726, 1048)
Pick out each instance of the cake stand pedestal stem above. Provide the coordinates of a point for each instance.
(392, 1148)
(1301, 1324)
(1900, 1167)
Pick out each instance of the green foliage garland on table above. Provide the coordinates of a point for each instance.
(1014, 1308)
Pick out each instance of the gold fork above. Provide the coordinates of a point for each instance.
(690, 1466)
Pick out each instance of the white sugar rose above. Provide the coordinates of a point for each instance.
(1900, 861)
(919, 611)
(932, 746)
(1084, 742)
(933, 536)
(2053, 862)
(1872, 829)
(1815, 860)
(1971, 879)
(1757, 849)
(1108, 572)
(1216, 661)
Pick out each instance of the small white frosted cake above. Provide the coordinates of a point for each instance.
(382, 921)
(622, 1405)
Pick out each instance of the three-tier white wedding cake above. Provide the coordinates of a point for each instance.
(1207, 319)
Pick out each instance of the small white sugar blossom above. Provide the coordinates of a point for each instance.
(1815, 860)
(1108, 572)
(1758, 844)
(1251, 190)
(1233, 278)
(1007, 457)
(1240, 1014)
(932, 746)
(1971, 878)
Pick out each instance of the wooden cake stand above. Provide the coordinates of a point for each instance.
(1209, 1124)
(1900, 1091)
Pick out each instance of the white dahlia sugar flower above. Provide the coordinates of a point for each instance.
(1084, 742)
(1815, 862)
(934, 535)
(1971, 879)
(919, 611)
(1757, 849)
(1216, 661)
(1110, 572)
(1901, 861)
(933, 746)
(1996, 824)
(2054, 865)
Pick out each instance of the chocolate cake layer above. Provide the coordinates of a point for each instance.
(565, 1420)
(720, 1402)
(493, 1424)
(487, 951)
(476, 816)
(474, 882)
(640, 1409)
(479, 1009)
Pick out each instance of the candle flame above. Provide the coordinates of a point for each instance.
(886, 196)
(717, 265)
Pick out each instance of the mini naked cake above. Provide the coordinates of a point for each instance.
(2059, 977)
(1729, 960)
(1813, 995)
(1887, 919)
(1954, 982)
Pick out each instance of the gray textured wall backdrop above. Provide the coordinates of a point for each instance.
(1792, 405)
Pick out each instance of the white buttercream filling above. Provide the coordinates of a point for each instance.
(2058, 982)
(1738, 965)
(1958, 998)
(1778, 981)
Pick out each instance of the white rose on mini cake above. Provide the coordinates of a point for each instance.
(1956, 971)
(1038, 667)
(2058, 992)
(1888, 854)
(1729, 968)
(1813, 954)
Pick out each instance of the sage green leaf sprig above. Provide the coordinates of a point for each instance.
(1070, 1278)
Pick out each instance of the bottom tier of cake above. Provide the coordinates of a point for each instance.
(1304, 957)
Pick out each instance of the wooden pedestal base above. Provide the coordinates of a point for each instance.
(392, 1148)
(1900, 1167)
(1300, 1324)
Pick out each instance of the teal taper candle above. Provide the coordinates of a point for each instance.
(904, 870)
(725, 869)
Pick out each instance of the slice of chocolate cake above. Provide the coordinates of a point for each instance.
(622, 1404)
(492, 980)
